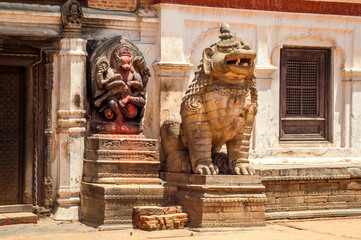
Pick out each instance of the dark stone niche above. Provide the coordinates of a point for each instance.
(118, 76)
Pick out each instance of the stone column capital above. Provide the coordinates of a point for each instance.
(73, 47)
(172, 66)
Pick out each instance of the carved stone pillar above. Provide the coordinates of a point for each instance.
(71, 111)
(172, 79)
(49, 75)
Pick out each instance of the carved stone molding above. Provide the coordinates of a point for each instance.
(73, 47)
(68, 196)
(71, 121)
(265, 73)
(118, 76)
(71, 113)
(351, 75)
(174, 71)
(302, 178)
(148, 29)
(72, 18)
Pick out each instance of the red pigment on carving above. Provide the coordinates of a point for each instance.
(131, 108)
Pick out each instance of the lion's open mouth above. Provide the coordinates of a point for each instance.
(243, 62)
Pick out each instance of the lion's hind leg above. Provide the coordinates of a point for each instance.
(220, 159)
(178, 161)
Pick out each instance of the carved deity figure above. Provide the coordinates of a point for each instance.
(119, 80)
(72, 17)
(123, 87)
(218, 108)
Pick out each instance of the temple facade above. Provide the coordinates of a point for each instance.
(308, 76)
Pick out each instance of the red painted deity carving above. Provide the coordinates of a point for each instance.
(119, 79)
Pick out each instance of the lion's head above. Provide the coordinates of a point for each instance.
(229, 60)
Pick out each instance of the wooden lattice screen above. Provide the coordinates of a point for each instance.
(12, 102)
(304, 94)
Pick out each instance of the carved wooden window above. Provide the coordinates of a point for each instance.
(304, 94)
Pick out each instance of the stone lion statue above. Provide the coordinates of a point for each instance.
(218, 108)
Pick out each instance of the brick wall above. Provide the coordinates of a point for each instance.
(123, 5)
(301, 6)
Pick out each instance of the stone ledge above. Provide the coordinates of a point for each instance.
(308, 172)
(313, 214)
(18, 218)
(211, 180)
(16, 208)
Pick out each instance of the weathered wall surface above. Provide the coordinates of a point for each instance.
(44, 21)
(184, 31)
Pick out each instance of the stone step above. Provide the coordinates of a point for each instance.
(16, 208)
(107, 172)
(17, 218)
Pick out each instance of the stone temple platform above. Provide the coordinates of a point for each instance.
(218, 201)
(120, 172)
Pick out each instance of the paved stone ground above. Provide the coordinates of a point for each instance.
(313, 229)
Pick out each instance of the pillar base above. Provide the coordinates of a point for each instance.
(67, 213)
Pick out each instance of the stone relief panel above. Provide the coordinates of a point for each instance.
(119, 77)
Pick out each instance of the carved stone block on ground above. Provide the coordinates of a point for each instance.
(159, 218)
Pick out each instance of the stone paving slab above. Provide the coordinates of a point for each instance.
(312, 229)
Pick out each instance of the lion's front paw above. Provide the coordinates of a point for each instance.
(244, 169)
(206, 169)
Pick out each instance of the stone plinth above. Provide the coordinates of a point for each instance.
(120, 172)
(219, 201)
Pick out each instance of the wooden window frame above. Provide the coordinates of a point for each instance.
(306, 122)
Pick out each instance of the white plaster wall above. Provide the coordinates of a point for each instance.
(184, 31)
